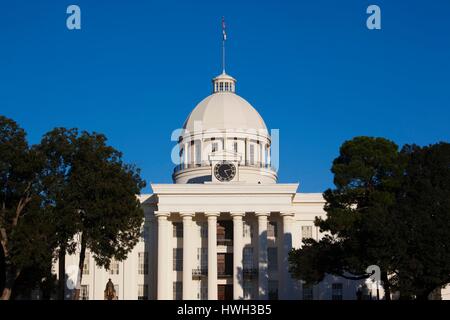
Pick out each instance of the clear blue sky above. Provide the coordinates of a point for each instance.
(311, 68)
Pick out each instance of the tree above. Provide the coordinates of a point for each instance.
(91, 196)
(423, 212)
(19, 199)
(390, 209)
(359, 211)
(58, 149)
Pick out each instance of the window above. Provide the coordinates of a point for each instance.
(214, 147)
(272, 263)
(202, 258)
(177, 259)
(306, 232)
(273, 290)
(177, 290)
(203, 290)
(226, 86)
(143, 292)
(307, 292)
(252, 154)
(248, 288)
(204, 230)
(143, 262)
(221, 86)
(145, 230)
(178, 230)
(84, 292)
(114, 267)
(247, 230)
(191, 153)
(336, 291)
(235, 146)
(248, 258)
(87, 257)
(272, 229)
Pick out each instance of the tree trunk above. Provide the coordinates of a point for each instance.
(76, 295)
(386, 286)
(62, 273)
(10, 277)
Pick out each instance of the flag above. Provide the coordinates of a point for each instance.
(223, 29)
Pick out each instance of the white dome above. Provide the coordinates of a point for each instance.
(225, 110)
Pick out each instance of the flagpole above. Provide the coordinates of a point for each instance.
(223, 55)
(223, 44)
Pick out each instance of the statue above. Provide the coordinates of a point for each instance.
(110, 292)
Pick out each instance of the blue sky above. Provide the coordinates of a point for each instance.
(311, 68)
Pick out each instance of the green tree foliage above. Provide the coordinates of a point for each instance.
(19, 201)
(424, 214)
(93, 195)
(72, 191)
(58, 149)
(380, 201)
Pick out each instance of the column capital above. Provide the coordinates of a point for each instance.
(162, 214)
(237, 213)
(287, 214)
(262, 214)
(186, 214)
(212, 214)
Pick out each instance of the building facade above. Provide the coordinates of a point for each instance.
(224, 228)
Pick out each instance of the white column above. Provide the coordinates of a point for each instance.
(238, 247)
(186, 155)
(268, 155)
(261, 153)
(285, 282)
(246, 152)
(188, 256)
(263, 276)
(212, 255)
(164, 282)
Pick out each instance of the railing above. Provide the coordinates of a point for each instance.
(249, 272)
(224, 274)
(252, 164)
(224, 242)
(199, 272)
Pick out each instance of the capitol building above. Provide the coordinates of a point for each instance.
(224, 228)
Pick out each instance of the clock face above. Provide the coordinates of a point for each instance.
(224, 171)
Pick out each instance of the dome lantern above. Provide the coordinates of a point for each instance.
(224, 83)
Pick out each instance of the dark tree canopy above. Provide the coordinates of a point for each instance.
(380, 195)
(92, 196)
(19, 203)
(424, 212)
(70, 191)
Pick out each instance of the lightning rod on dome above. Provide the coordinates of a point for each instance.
(224, 38)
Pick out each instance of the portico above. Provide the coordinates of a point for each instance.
(229, 233)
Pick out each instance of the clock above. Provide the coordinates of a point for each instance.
(224, 171)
